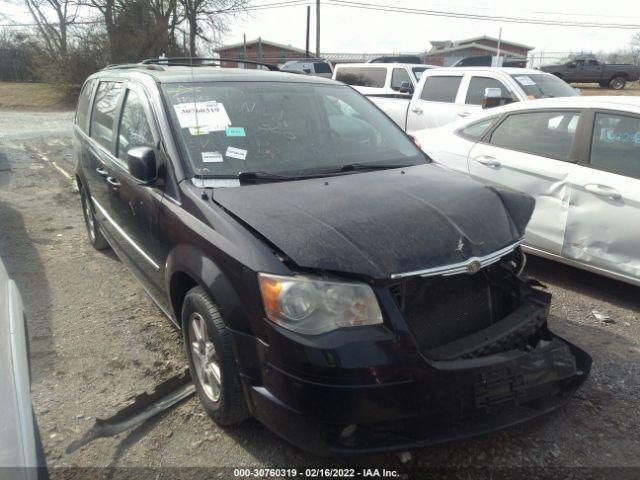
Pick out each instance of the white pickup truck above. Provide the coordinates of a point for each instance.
(444, 95)
(381, 80)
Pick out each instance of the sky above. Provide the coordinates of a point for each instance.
(349, 30)
(355, 30)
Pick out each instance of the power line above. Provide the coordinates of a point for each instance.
(473, 16)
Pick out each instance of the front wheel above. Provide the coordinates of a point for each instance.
(617, 83)
(211, 360)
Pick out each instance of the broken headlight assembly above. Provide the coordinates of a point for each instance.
(313, 306)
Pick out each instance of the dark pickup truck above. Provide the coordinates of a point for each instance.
(610, 75)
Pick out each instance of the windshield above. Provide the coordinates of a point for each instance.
(276, 127)
(417, 71)
(543, 85)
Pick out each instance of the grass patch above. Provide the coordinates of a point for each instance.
(36, 96)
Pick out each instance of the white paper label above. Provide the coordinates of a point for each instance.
(525, 81)
(238, 153)
(210, 115)
(212, 157)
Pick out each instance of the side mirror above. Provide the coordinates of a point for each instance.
(406, 87)
(142, 163)
(306, 70)
(492, 97)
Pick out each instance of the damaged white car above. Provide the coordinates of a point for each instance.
(578, 156)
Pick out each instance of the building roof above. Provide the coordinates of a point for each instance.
(446, 45)
(264, 42)
(466, 46)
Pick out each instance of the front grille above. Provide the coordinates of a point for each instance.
(441, 310)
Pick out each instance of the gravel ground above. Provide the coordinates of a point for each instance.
(97, 340)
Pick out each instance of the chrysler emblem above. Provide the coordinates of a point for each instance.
(474, 267)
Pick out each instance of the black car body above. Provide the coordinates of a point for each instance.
(418, 329)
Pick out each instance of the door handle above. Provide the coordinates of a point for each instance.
(603, 191)
(488, 161)
(417, 110)
(464, 114)
(113, 181)
(102, 172)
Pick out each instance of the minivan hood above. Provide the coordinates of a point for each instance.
(381, 223)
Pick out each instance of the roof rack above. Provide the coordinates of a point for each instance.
(124, 66)
(201, 62)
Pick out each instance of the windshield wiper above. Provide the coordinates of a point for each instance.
(368, 166)
(259, 177)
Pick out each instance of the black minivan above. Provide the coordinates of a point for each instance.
(328, 278)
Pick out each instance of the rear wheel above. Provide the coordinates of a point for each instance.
(211, 360)
(93, 231)
(617, 83)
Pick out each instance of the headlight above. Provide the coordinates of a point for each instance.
(312, 306)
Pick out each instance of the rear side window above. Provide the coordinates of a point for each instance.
(134, 128)
(441, 88)
(476, 130)
(548, 134)
(398, 76)
(82, 110)
(104, 112)
(363, 76)
(477, 86)
(321, 67)
(615, 145)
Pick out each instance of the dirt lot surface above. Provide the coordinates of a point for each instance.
(97, 340)
(36, 96)
(593, 89)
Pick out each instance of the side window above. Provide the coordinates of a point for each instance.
(615, 145)
(134, 130)
(321, 67)
(476, 130)
(477, 86)
(363, 76)
(104, 112)
(398, 76)
(593, 63)
(548, 134)
(440, 88)
(82, 110)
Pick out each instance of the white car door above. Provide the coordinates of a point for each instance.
(450, 145)
(438, 103)
(533, 152)
(604, 216)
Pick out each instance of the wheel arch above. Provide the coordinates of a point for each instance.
(188, 267)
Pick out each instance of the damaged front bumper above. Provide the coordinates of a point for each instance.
(407, 399)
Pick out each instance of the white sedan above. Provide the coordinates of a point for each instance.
(578, 156)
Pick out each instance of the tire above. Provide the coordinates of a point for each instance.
(211, 359)
(93, 230)
(617, 83)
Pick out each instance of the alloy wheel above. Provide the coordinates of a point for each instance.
(204, 357)
(88, 216)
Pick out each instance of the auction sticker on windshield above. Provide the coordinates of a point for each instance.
(525, 81)
(238, 153)
(210, 115)
(212, 157)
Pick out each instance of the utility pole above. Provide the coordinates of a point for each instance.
(306, 52)
(317, 28)
(244, 44)
(499, 42)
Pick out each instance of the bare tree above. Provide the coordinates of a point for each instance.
(52, 19)
(634, 45)
(197, 11)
